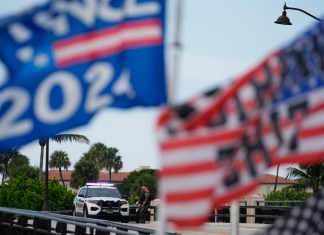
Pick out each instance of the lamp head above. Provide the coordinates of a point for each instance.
(283, 19)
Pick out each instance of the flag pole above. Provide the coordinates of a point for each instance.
(235, 217)
(175, 59)
(172, 84)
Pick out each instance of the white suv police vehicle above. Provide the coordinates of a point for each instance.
(101, 200)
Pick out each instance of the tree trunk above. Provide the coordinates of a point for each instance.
(41, 163)
(3, 176)
(42, 143)
(276, 182)
(60, 170)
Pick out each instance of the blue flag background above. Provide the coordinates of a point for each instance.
(66, 60)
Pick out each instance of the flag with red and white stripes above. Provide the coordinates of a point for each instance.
(215, 147)
(108, 41)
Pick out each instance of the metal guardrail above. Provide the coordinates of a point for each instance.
(18, 222)
(279, 203)
(264, 212)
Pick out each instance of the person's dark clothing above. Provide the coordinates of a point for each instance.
(145, 205)
(139, 207)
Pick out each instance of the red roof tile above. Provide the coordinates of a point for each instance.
(55, 174)
(103, 176)
(271, 179)
(120, 176)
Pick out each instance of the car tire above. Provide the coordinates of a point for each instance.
(85, 212)
(125, 219)
(73, 212)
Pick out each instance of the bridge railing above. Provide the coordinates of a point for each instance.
(25, 222)
(261, 212)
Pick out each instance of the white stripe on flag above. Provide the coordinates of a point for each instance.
(187, 210)
(188, 182)
(311, 144)
(188, 156)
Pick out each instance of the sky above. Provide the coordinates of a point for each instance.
(220, 40)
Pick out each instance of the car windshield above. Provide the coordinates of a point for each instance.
(103, 192)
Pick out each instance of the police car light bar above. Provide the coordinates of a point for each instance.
(100, 184)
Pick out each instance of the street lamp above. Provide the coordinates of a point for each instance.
(283, 19)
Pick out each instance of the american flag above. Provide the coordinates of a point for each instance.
(215, 147)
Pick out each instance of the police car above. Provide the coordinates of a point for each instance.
(101, 200)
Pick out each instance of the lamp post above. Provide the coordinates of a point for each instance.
(46, 205)
(283, 19)
(42, 143)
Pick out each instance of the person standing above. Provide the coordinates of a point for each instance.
(139, 205)
(145, 204)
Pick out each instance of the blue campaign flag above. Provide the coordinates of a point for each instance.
(67, 59)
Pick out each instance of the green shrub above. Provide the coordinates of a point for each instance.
(287, 194)
(25, 193)
(60, 198)
(131, 186)
(131, 200)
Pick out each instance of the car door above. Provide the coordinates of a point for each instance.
(80, 201)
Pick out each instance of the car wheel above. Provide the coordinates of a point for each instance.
(73, 212)
(85, 212)
(125, 219)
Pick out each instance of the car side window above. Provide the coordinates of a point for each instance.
(82, 192)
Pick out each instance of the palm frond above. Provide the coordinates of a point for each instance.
(295, 173)
(62, 138)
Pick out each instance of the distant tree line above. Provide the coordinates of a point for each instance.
(98, 157)
(309, 179)
(15, 170)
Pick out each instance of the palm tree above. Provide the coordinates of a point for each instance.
(111, 160)
(95, 154)
(13, 163)
(58, 160)
(5, 158)
(307, 176)
(60, 138)
(104, 157)
(16, 163)
(276, 182)
(19, 165)
(84, 170)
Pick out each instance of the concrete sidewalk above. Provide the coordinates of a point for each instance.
(211, 228)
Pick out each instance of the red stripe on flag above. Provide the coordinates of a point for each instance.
(84, 38)
(208, 166)
(83, 41)
(194, 195)
(236, 193)
(303, 158)
(189, 222)
(194, 140)
(312, 132)
(107, 52)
